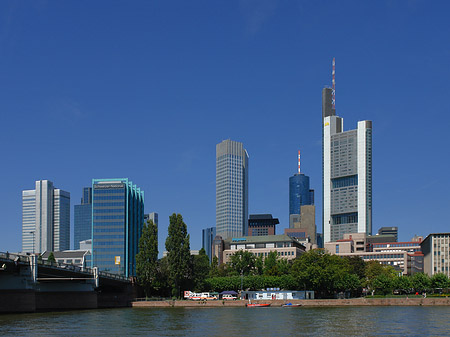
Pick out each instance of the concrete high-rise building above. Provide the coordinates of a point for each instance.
(82, 219)
(45, 219)
(347, 175)
(389, 231)
(117, 221)
(435, 248)
(262, 225)
(151, 216)
(231, 189)
(208, 235)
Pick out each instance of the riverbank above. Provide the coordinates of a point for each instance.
(306, 303)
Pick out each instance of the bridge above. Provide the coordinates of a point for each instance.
(28, 284)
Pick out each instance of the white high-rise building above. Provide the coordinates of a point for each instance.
(45, 218)
(231, 189)
(347, 176)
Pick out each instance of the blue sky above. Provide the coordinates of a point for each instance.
(146, 89)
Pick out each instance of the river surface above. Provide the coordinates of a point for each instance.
(301, 321)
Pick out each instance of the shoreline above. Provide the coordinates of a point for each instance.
(304, 303)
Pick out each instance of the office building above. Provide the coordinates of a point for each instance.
(347, 175)
(406, 257)
(389, 231)
(151, 216)
(231, 189)
(117, 221)
(285, 246)
(262, 224)
(208, 235)
(45, 218)
(82, 219)
(302, 212)
(435, 248)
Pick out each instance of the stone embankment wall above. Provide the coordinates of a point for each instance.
(306, 303)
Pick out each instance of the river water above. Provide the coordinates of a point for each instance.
(277, 321)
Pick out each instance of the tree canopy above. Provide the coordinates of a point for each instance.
(178, 254)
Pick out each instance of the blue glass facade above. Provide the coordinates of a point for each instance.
(83, 219)
(299, 193)
(208, 236)
(117, 220)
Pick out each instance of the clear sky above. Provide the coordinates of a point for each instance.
(146, 89)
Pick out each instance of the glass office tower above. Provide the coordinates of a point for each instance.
(208, 235)
(82, 225)
(45, 218)
(117, 221)
(231, 189)
(299, 193)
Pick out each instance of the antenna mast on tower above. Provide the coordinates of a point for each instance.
(298, 161)
(333, 95)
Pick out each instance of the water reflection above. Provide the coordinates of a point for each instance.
(336, 321)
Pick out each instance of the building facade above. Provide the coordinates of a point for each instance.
(151, 216)
(231, 189)
(406, 257)
(347, 177)
(262, 224)
(389, 231)
(117, 221)
(82, 219)
(208, 235)
(45, 218)
(285, 246)
(436, 250)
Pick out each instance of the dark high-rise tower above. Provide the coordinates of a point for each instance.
(82, 224)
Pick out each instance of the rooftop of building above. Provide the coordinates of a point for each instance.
(433, 234)
(66, 254)
(262, 239)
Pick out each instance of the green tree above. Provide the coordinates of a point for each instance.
(375, 269)
(402, 283)
(270, 264)
(319, 271)
(200, 270)
(51, 258)
(421, 282)
(439, 281)
(214, 270)
(259, 265)
(383, 283)
(242, 262)
(147, 258)
(178, 254)
(357, 265)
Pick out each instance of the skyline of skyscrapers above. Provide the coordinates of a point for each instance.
(117, 221)
(347, 174)
(45, 218)
(82, 219)
(231, 189)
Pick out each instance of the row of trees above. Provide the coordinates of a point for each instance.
(316, 270)
(176, 272)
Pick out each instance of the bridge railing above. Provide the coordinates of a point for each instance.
(66, 266)
(15, 257)
(60, 265)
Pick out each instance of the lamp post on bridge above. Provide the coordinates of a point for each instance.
(34, 233)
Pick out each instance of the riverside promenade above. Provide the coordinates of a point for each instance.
(430, 301)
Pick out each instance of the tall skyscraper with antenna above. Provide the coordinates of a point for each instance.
(302, 212)
(347, 172)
